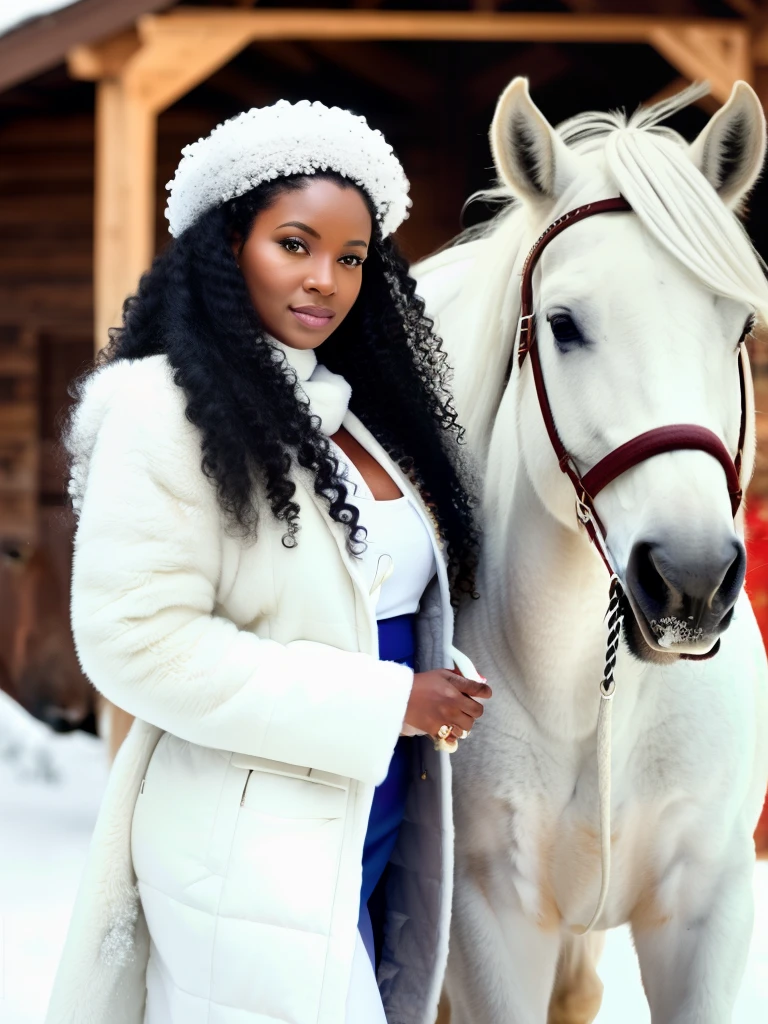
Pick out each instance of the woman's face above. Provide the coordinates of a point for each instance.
(302, 261)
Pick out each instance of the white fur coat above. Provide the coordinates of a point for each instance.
(252, 660)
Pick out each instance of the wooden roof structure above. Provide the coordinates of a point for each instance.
(98, 98)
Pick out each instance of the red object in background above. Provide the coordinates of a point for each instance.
(757, 588)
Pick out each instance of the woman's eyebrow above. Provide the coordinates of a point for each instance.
(311, 231)
(300, 226)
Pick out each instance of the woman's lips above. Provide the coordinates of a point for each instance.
(313, 316)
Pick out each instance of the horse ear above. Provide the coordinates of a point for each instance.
(530, 156)
(729, 152)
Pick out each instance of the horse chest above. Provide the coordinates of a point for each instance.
(548, 833)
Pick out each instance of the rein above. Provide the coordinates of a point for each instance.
(686, 436)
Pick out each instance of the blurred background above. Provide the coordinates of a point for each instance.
(97, 99)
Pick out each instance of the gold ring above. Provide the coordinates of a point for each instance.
(444, 732)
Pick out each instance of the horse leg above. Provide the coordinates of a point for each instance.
(692, 960)
(113, 724)
(444, 1010)
(501, 966)
(578, 990)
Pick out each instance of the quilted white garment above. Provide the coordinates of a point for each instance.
(223, 877)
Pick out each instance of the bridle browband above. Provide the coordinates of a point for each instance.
(686, 436)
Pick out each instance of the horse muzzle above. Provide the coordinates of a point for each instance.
(682, 600)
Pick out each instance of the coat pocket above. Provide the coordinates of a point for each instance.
(287, 828)
(282, 790)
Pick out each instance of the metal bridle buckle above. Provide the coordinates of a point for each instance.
(525, 332)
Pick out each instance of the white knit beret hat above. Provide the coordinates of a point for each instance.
(287, 138)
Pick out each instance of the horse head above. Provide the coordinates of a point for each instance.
(640, 316)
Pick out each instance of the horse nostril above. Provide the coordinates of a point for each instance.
(728, 591)
(647, 576)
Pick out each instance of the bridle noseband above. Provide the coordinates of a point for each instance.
(686, 436)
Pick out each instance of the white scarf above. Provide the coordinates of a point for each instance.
(328, 393)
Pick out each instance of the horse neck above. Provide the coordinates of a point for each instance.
(480, 326)
(544, 594)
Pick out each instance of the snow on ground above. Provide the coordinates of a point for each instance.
(50, 788)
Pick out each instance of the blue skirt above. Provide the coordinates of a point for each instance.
(396, 643)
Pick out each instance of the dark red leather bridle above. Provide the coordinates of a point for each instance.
(638, 449)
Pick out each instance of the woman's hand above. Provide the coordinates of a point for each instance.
(442, 697)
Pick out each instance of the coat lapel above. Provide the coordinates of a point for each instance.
(364, 437)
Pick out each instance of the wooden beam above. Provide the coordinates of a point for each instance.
(165, 65)
(107, 59)
(760, 46)
(720, 55)
(746, 8)
(466, 26)
(43, 43)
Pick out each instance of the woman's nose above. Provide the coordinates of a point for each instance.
(322, 279)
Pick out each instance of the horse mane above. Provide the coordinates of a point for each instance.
(649, 165)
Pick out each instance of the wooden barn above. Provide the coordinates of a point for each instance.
(98, 97)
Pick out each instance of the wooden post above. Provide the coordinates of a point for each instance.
(138, 74)
(124, 201)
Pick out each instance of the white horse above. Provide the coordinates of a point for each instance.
(639, 316)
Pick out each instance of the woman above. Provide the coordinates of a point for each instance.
(250, 558)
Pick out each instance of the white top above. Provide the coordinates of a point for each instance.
(399, 560)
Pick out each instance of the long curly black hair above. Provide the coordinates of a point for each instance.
(193, 306)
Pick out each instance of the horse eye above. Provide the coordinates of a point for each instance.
(566, 333)
(749, 326)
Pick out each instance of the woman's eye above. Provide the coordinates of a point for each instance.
(293, 245)
(566, 333)
(352, 260)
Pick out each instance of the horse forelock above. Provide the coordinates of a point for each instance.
(684, 214)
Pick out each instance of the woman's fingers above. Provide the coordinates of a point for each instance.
(460, 720)
(471, 707)
(474, 688)
(443, 699)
